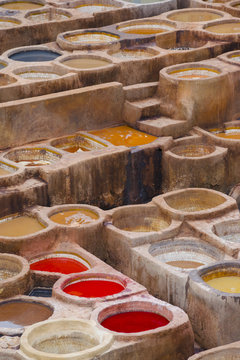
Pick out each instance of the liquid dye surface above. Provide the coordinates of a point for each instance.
(95, 8)
(6, 274)
(38, 75)
(132, 54)
(76, 217)
(19, 226)
(92, 38)
(194, 16)
(21, 5)
(229, 284)
(199, 73)
(184, 264)
(124, 135)
(85, 63)
(34, 55)
(33, 162)
(60, 264)
(226, 28)
(134, 321)
(145, 28)
(193, 150)
(16, 314)
(94, 288)
(230, 133)
(8, 23)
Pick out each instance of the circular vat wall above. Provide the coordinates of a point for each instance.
(17, 225)
(85, 39)
(85, 62)
(145, 27)
(229, 230)
(21, 5)
(229, 132)
(33, 55)
(8, 22)
(78, 143)
(194, 15)
(17, 313)
(74, 217)
(140, 219)
(47, 15)
(219, 353)
(14, 275)
(63, 263)
(65, 339)
(33, 156)
(193, 150)
(134, 53)
(185, 253)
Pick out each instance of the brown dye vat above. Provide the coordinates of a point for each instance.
(4, 172)
(230, 133)
(226, 28)
(124, 135)
(183, 264)
(194, 16)
(193, 150)
(85, 63)
(74, 217)
(16, 314)
(19, 226)
(6, 274)
(21, 5)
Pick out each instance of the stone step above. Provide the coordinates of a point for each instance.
(140, 109)
(163, 126)
(140, 91)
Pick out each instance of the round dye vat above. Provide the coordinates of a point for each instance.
(224, 28)
(94, 288)
(134, 322)
(133, 54)
(38, 75)
(194, 16)
(85, 63)
(235, 57)
(47, 16)
(124, 135)
(92, 38)
(225, 282)
(19, 225)
(78, 143)
(7, 23)
(60, 263)
(229, 133)
(21, 5)
(34, 55)
(145, 28)
(193, 150)
(74, 217)
(2, 65)
(95, 8)
(17, 314)
(194, 73)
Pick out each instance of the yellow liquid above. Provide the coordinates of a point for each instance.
(74, 217)
(226, 28)
(194, 16)
(230, 133)
(146, 31)
(230, 284)
(124, 135)
(19, 226)
(4, 172)
(85, 63)
(22, 5)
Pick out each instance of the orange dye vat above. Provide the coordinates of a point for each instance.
(73, 217)
(124, 135)
(63, 265)
(94, 288)
(230, 133)
(134, 321)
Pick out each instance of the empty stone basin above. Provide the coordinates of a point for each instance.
(223, 278)
(21, 5)
(224, 27)
(193, 200)
(63, 263)
(6, 169)
(95, 8)
(11, 266)
(37, 74)
(74, 217)
(228, 230)
(140, 218)
(8, 22)
(145, 27)
(180, 41)
(17, 225)
(194, 15)
(134, 53)
(64, 339)
(33, 156)
(78, 143)
(47, 15)
(86, 62)
(185, 253)
(18, 313)
(92, 37)
(34, 55)
(193, 150)
(124, 135)
(194, 73)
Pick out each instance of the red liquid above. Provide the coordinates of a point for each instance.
(94, 288)
(134, 321)
(63, 265)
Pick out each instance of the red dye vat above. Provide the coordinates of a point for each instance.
(63, 265)
(134, 321)
(94, 288)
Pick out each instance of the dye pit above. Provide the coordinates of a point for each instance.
(19, 225)
(74, 217)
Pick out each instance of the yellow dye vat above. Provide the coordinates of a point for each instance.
(194, 16)
(21, 5)
(230, 133)
(194, 73)
(124, 135)
(223, 282)
(146, 28)
(15, 226)
(74, 217)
